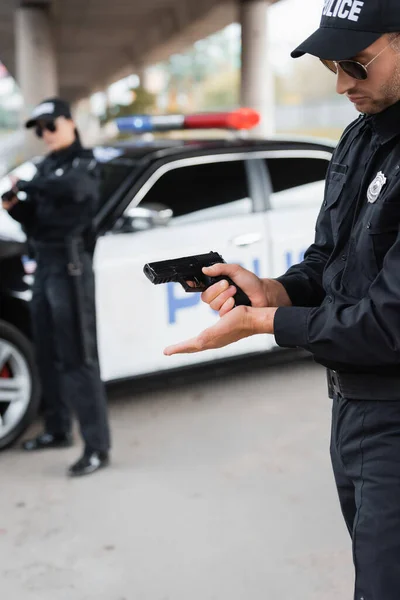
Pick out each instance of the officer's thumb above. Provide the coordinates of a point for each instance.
(214, 270)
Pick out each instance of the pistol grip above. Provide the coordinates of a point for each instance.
(241, 299)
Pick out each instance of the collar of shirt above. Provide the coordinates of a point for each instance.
(386, 124)
(65, 154)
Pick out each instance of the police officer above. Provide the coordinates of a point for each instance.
(57, 215)
(342, 303)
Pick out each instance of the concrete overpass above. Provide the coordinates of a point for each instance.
(76, 47)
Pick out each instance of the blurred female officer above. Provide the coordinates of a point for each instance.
(57, 216)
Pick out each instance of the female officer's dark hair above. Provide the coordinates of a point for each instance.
(77, 135)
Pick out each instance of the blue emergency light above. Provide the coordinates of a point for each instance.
(243, 118)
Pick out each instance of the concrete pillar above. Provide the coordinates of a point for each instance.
(36, 68)
(87, 123)
(143, 75)
(257, 82)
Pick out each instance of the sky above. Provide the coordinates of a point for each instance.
(294, 19)
(291, 22)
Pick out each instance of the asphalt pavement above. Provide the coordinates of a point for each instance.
(220, 489)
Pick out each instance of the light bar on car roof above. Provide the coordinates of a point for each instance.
(243, 118)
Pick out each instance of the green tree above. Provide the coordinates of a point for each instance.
(144, 102)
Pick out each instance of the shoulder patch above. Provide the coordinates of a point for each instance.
(105, 154)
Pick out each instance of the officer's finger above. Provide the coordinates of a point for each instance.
(227, 307)
(211, 293)
(220, 300)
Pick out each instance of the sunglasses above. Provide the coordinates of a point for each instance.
(50, 126)
(353, 68)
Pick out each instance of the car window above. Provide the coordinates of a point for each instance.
(201, 192)
(296, 182)
(113, 174)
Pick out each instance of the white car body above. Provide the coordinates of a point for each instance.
(136, 319)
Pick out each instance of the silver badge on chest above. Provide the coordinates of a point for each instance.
(375, 188)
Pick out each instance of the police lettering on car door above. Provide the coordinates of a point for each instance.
(178, 301)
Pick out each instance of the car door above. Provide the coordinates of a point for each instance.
(217, 205)
(297, 181)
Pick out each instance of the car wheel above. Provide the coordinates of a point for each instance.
(19, 384)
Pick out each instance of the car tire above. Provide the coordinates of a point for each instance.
(19, 365)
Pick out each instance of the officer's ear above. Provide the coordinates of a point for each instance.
(394, 40)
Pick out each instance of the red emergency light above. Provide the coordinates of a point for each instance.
(242, 118)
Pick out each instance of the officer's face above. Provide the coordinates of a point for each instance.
(382, 87)
(62, 137)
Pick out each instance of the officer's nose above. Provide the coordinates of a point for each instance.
(344, 82)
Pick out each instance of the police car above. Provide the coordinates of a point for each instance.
(253, 201)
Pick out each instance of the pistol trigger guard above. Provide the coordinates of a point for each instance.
(189, 289)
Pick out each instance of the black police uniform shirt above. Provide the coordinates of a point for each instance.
(62, 198)
(346, 292)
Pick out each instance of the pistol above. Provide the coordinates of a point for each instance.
(188, 271)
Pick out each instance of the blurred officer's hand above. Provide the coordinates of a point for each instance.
(9, 199)
(262, 292)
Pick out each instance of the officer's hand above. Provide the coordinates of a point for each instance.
(9, 202)
(262, 292)
(220, 295)
(238, 324)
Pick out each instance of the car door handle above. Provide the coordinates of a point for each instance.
(247, 239)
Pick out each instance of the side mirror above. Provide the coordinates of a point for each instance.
(145, 216)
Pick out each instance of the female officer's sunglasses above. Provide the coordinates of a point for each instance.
(50, 126)
(353, 68)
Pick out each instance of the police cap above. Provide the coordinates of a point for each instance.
(49, 110)
(349, 26)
